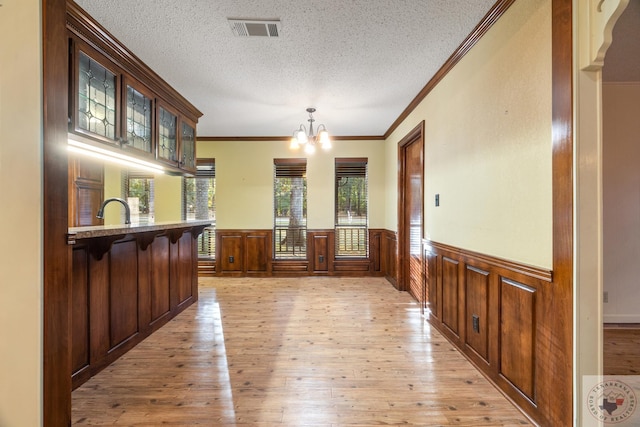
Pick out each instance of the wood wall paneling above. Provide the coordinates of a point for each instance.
(554, 391)
(450, 286)
(290, 267)
(433, 295)
(57, 258)
(123, 292)
(375, 248)
(80, 313)
(231, 252)
(477, 310)
(206, 267)
(320, 253)
(389, 256)
(185, 262)
(517, 335)
(244, 252)
(505, 295)
(351, 266)
(254, 249)
(194, 264)
(159, 287)
(98, 307)
(258, 252)
(129, 292)
(144, 286)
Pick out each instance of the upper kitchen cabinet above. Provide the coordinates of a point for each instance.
(138, 118)
(95, 96)
(117, 102)
(167, 134)
(188, 146)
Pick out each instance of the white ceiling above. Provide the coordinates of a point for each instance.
(359, 62)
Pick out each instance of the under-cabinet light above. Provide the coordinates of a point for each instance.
(110, 156)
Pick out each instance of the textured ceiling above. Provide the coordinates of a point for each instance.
(622, 61)
(359, 62)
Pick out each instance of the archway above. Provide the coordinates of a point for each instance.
(594, 23)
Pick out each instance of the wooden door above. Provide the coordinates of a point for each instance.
(410, 212)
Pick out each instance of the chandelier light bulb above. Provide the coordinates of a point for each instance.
(309, 140)
(325, 141)
(302, 137)
(310, 149)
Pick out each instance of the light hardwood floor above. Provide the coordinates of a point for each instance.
(621, 350)
(294, 352)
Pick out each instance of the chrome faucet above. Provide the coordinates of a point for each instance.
(127, 211)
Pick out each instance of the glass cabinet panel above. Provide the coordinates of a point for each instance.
(167, 136)
(96, 98)
(138, 120)
(188, 143)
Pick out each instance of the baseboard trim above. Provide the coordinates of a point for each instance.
(621, 318)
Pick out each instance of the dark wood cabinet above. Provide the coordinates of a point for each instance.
(95, 95)
(188, 146)
(86, 191)
(167, 134)
(137, 118)
(117, 102)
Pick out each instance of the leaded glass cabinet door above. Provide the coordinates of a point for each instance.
(96, 99)
(188, 147)
(138, 118)
(167, 135)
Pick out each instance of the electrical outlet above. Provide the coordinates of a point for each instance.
(437, 200)
(605, 297)
(475, 320)
(231, 259)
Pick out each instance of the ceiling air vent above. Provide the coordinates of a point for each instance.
(255, 28)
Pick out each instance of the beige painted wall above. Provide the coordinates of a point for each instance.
(621, 200)
(21, 219)
(244, 181)
(488, 144)
(168, 202)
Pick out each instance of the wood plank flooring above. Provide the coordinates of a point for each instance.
(294, 352)
(621, 350)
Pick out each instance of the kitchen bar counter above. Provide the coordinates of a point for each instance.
(76, 233)
(128, 281)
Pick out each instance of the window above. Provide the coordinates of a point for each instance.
(199, 197)
(138, 191)
(351, 208)
(290, 209)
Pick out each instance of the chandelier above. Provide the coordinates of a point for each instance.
(310, 140)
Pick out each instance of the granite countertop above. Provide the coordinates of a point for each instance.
(124, 229)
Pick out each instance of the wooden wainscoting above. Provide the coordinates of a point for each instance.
(490, 309)
(244, 252)
(389, 256)
(321, 251)
(250, 253)
(206, 267)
